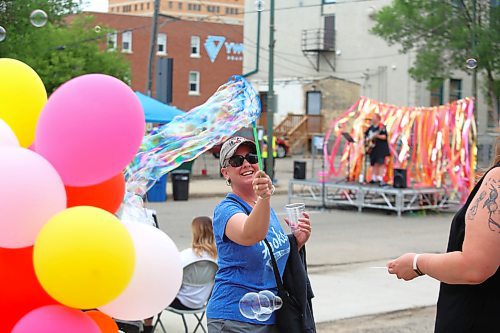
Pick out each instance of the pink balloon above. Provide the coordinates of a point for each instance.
(31, 192)
(90, 129)
(56, 319)
(158, 264)
(7, 136)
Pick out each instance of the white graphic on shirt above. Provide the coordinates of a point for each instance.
(277, 239)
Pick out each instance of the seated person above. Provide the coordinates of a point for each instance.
(202, 247)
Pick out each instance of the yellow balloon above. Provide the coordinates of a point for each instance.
(84, 257)
(22, 97)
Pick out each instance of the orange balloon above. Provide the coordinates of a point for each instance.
(107, 195)
(105, 322)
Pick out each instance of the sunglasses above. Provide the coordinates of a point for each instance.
(237, 160)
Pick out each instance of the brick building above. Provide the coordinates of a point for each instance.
(202, 55)
(225, 11)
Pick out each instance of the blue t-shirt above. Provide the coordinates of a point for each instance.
(243, 269)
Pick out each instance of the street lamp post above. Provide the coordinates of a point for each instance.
(152, 49)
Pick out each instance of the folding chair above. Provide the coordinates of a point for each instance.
(197, 274)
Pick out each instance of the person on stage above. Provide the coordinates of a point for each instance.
(377, 148)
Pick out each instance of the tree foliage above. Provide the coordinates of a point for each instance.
(444, 33)
(66, 47)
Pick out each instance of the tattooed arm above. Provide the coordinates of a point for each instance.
(480, 255)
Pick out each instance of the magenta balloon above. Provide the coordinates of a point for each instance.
(7, 136)
(90, 129)
(31, 192)
(56, 319)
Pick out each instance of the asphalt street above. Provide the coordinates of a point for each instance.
(346, 253)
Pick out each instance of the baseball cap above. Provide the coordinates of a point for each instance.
(230, 146)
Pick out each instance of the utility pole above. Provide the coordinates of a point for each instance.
(152, 49)
(270, 95)
(474, 70)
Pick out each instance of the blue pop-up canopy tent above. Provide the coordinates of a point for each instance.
(156, 111)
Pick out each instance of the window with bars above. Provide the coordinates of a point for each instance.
(195, 46)
(162, 44)
(194, 83)
(127, 41)
(111, 42)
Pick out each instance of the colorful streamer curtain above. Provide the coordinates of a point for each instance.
(437, 145)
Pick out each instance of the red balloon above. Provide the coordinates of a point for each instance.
(107, 195)
(20, 291)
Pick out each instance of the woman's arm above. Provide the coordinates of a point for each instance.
(480, 255)
(249, 229)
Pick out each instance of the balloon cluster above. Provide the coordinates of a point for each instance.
(259, 306)
(62, 249)
(234, 105)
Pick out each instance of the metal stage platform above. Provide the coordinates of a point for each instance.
(342, 193)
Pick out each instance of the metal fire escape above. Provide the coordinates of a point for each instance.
(317, 43)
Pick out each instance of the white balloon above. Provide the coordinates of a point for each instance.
(7, 136)
(157, 276)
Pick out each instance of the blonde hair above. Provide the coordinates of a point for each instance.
(203, 236)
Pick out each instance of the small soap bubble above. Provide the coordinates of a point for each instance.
(471, 63)
(97, 28)
(38, 18)
(260, 5)
(3, 33)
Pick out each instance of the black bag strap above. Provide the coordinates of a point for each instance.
(276, 271)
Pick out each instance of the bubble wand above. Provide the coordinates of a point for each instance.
(257, 146)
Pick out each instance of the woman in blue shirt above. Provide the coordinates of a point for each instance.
(244, 260)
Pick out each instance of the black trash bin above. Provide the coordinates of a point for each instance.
(299, 170)
(180, 184)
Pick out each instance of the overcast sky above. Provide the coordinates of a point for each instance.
(96, 5)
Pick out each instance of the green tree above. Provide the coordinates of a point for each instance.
(69, 45)
(444, 33)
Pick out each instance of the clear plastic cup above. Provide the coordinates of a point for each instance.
(294, 212)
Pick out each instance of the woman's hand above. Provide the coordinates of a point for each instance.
(403, 267)
(303, 230)
(262, 185)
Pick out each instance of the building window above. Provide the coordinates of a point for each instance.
(437, 92)
(455, 89)
(112, 38)
(195, 47)
(179, 5)
(162, 44)
(194, 83)
(127, 41)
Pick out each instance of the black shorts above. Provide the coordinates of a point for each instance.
(377, 159)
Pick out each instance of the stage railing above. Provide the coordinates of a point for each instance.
(341, 193)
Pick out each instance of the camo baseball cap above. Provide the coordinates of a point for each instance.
(230, 146)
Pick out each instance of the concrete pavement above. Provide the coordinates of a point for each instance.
(345, 253)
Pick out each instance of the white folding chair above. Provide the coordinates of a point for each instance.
(197, 274)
